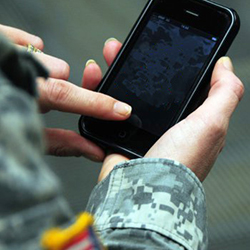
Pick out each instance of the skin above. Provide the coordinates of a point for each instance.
(198, 140)
(57, 93)
(195, 142)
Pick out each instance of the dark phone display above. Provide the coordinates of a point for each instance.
(160, 71)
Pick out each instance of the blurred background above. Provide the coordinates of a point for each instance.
(76, 31)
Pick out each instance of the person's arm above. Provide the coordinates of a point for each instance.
(150, 204)
(155, 203)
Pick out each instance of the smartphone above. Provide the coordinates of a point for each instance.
(163, 71)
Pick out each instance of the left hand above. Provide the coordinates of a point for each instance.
(58, 94)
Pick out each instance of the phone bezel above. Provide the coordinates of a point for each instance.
(175, 10)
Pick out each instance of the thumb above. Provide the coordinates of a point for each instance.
(225, 93)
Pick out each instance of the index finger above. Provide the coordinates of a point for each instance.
(21, 37)
(64, 96)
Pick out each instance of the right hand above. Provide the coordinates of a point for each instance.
(58, 94)
(196, 141)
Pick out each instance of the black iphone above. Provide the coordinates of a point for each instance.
(163, 71)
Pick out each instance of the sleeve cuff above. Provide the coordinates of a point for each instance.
(152, 194)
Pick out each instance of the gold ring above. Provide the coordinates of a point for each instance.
(33, 49)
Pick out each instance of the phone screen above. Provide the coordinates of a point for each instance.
(160, 72)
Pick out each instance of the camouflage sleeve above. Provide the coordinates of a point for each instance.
(31, 199)
(150, 204)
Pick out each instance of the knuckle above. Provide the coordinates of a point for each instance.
(58, 91)
(98, 101)
(236, 85)
(39, 43)
(218, 128)
(60, 151)
(104, 103)
(65, 70)
(239, 88)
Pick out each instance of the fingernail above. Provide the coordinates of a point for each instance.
(90, 62)
(227, 63)
(110, 40)
(122, 108)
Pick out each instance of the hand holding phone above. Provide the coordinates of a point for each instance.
(198, 139)
(163, 71)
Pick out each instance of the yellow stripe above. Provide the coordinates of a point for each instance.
(56, 238)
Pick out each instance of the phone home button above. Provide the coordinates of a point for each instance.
(122, 134)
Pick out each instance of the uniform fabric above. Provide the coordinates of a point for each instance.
(30, 193)
(158, 200)
(142, 204)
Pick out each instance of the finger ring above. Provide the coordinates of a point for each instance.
(33, 49)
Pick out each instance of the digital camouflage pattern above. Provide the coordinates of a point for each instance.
(30, 194)
(157, 200)
(143, 204)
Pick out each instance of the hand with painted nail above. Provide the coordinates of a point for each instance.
(196, 141)
(58, 94)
